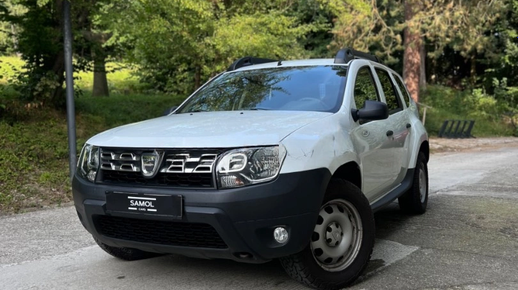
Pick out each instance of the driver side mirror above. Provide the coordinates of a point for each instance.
(372, 110)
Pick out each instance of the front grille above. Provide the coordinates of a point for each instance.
(161, 179)
(177, 168)
(160, 232)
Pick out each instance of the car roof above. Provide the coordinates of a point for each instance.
(291, 63)
(309, 62)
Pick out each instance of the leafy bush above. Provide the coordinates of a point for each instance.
(450, 104)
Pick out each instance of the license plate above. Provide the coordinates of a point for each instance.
(154, 204)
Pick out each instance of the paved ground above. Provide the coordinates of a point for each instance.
(468, 239)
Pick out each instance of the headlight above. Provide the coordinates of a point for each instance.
(88, 163)
(246, 166)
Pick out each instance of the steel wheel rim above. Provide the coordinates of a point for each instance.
(337, 236)
(422, 184)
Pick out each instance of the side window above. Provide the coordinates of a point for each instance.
(402, 88)
(364, 87)
(393, 100)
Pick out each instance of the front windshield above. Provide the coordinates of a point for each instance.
(315, 88)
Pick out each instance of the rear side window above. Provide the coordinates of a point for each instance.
(364, 88)
(393, 101)
(402, 88)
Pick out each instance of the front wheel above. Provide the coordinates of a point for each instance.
(341, 243)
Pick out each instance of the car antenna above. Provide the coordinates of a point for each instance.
(279, 63)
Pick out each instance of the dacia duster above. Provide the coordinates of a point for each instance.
(269, 159)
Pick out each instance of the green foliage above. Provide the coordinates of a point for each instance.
(34, 155)
(364, 26)
(27, 150)
(180, 44)
(34, 151)
(8, 31)
(449, 104)
(40, 43)
(9, 96)
(455, 33)
(123, 109)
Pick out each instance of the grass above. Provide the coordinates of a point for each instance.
(450, 104)
(34, 150)
(120, 77)
(34, 155)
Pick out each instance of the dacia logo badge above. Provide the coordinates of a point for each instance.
(151, 163)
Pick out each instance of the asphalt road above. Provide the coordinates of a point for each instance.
(468, 239)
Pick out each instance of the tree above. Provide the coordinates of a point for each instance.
(8, 31)
(462, 26)
(40, 43)
(179, 44)
(413, 47)
(91, 43)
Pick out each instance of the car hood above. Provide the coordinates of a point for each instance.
(208, 130)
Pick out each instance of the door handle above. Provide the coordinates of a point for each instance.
(390, 133)
(408, 126)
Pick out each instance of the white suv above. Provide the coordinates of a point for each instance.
(270, 159)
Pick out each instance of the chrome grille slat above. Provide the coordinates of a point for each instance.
(120, 161)
(179, 168)
(183, 163)
(107, 155)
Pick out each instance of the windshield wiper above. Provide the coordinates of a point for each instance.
(259, 109)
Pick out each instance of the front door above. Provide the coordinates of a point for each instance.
(371, 142)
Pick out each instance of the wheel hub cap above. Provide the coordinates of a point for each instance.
(334, 234)
(337, 236)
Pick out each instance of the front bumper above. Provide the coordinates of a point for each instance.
(244, 218)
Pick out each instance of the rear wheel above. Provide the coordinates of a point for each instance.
(415, 200)
(342, 240)
(128, 254)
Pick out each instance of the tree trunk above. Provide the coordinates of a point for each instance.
(422, 71)
(58, 68)
(58, 95)
(412, 53)
(473, 70)
(100, 88)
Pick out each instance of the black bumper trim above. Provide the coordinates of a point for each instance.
(243, 217)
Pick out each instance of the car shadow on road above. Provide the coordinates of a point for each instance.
(217, 274)
(191, 273)
(390, 219)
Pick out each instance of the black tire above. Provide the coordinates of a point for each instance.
(415, 200)
(308, 267)
(127, 254)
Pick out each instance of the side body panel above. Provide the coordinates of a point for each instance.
(337, 139)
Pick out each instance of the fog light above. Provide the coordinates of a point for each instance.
(280, 235)
(91, 175)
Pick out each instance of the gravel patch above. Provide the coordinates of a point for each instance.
(471, 144)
